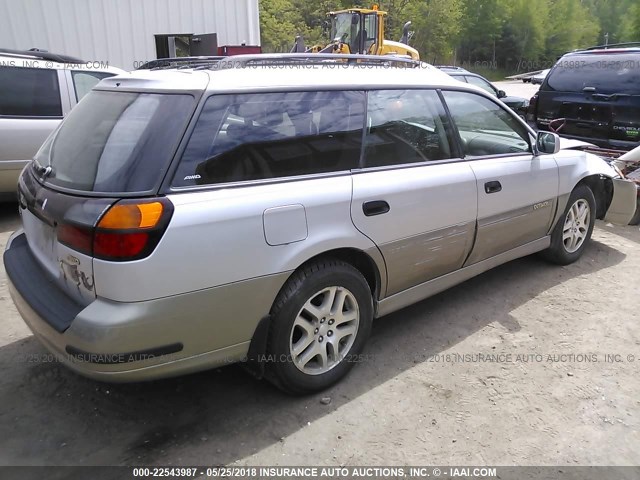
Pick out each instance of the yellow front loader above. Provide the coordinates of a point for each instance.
(360, 31)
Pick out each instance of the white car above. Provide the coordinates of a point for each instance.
(37, 89)
(538, 78)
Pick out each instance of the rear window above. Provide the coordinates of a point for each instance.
(607, 73)
(29, 92)
(116, 141)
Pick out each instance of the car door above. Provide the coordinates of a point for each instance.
(413, 196)
(517, 191)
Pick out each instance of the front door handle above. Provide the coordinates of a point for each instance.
(375, 207)
(492, 187)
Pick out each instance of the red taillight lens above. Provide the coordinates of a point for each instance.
(119, 245)
(128, 230)
(78, 238)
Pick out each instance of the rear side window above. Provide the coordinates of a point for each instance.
(83, 82)
(485, 127)
(270, 135)
(117, 141)
(607, 73)
(29, 92)
(405, 126)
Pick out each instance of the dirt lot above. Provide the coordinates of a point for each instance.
(417, 400)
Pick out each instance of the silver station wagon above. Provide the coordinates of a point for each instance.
(266, 209)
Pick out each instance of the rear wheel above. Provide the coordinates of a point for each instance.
(573, 230)
(321, 320)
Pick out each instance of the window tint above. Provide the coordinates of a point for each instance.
(270, 135)
(29, 92)
(485, 127)
(482, 83)
(116, 141)
(83, 82)
(611, 73)
(405, 126)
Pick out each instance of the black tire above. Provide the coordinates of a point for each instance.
(635, 220)
(303, 286)
(560, 253)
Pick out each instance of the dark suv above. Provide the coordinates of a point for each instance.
(593, 95)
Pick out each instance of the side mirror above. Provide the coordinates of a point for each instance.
(501, 94)
(547, 142)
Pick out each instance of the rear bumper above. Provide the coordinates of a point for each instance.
(170, 336)
(600, 142)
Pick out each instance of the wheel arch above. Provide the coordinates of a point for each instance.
(602, 188)
(373, 272)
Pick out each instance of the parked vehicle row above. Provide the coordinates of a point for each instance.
(183, 219)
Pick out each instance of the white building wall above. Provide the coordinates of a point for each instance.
(121, 32)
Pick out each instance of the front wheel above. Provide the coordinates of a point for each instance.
(320, 323)
(573, 230)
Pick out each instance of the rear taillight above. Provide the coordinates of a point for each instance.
(128, 230)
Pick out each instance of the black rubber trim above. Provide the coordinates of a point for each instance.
(42, 294)
(116, 358)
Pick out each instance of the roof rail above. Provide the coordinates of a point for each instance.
(611, 45)
(179, 62)
(41, 54)
(241, 61)
(264, 59)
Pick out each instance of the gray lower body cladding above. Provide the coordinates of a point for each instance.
(158, 338)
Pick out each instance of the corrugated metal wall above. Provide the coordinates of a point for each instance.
(122, 31)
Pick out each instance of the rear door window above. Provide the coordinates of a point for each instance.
(29, 92)
(116, 141)
(272, 135)
(607, 73)
(405, 126)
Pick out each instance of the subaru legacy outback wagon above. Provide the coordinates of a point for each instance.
(267, 210)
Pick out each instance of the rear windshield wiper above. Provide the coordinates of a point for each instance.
(42, 170)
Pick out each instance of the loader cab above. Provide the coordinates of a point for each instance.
(358, 30)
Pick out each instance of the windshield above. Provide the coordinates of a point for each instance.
(116, 141)
(610, 73)
(342, 30)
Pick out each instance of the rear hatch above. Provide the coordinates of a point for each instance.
(597, 95)
(109, 155)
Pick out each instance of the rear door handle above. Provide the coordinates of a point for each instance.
(492, 187)
(375, 207)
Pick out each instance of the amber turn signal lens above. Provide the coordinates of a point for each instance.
(136, 215)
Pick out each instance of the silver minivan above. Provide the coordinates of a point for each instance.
(266, 209)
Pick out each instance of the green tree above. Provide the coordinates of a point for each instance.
(436, 25)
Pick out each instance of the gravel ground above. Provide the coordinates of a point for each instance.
(507, 368)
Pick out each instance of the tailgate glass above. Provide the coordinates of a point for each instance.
(607, 73)
(116, 142)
